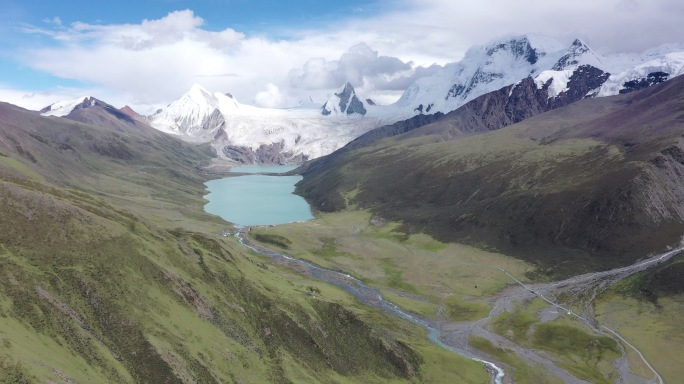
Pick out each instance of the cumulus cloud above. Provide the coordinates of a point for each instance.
(271, 97)
(611, 25)
(358, 65)
(400, 83)
(155, 61)
(374, 75)
(175, 27)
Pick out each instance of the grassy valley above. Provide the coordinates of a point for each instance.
(111, 272)
(458, 287)
(646, 309)
(417, 271)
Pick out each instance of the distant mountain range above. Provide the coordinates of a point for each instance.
(555, 74)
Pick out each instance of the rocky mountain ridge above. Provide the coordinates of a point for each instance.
(248, 134)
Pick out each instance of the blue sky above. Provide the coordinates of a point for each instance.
(246, 15)
(147, 53)
(272, 18)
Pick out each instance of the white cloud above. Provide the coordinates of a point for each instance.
(611, 25)
(57, 21)
(382, 78)
(158, 60)
(154, 62)
(359, 65)
(270, 97)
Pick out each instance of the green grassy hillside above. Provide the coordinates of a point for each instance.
(110, 271)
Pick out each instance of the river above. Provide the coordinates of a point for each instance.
(368, 296)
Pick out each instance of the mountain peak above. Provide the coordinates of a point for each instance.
(195, 112)
(65, 107)
(197, 88)
(127, 110)
(199, 94)
(578, 54)
(344, 102)
(579, 44)
(519, 47)
(531, 47)
(348, 87)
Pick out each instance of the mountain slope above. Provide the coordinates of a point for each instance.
(96, 112)
(591, 185)
(65, 151)
(492, 111)
(111, 272)
(483, 69)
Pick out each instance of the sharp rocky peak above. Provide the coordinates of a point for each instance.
(127, 110)
(347, 102)
(579, 53)
(346, 94)
(579, 46)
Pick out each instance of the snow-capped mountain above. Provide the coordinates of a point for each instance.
(483, 69)
(578, 54)
(509, 60)
(250, 134)
(63, 108)
(345, 102)
(195, 113)
(94, 111)
(562, 74)
(647, 72)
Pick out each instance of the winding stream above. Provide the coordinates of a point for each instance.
(366, 295)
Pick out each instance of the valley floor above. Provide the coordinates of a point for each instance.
(483, 303)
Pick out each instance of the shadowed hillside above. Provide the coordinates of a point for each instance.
(489, 112)
(588, 186)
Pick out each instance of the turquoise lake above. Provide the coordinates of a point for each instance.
(257, 199)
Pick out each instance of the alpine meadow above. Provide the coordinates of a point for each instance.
(483, 193)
